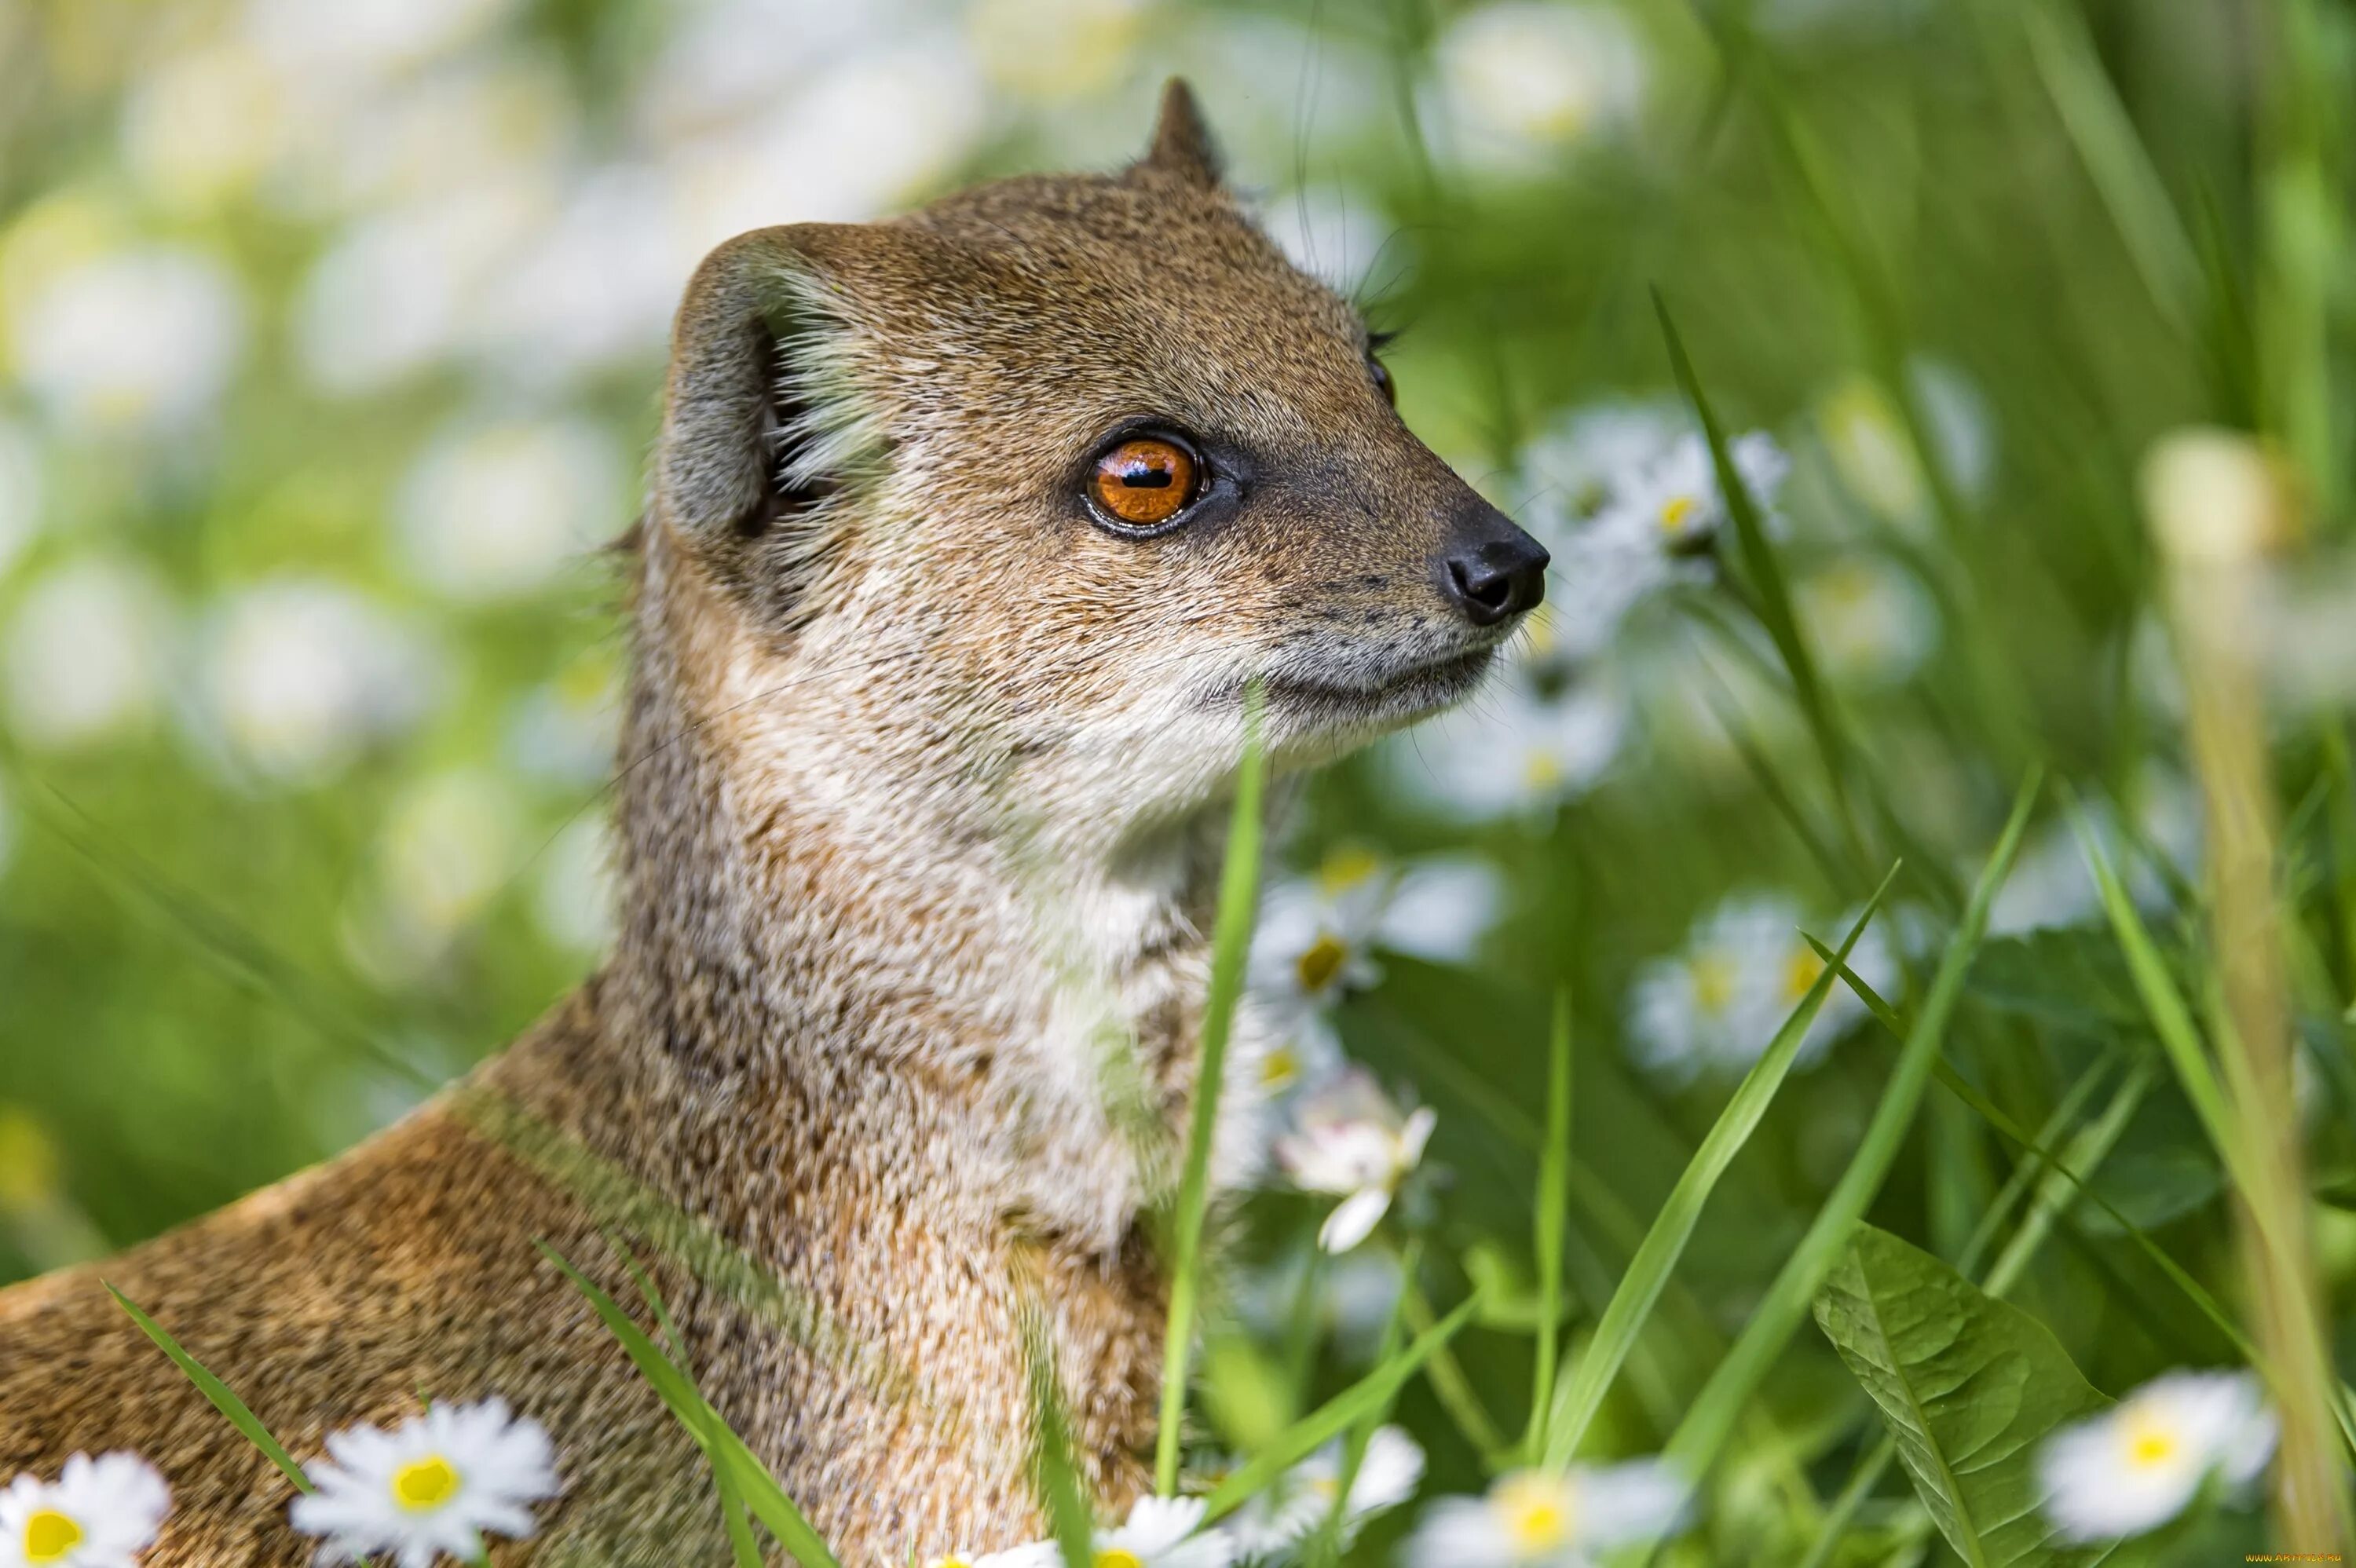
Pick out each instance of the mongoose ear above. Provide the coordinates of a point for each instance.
(760, 420)
(1182, 143)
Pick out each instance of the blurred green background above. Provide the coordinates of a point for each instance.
(330, 346)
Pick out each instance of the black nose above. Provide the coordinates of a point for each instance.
(1489, 569)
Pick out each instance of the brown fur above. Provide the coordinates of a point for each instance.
(923, 804)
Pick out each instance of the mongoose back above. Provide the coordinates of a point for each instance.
(967, 534)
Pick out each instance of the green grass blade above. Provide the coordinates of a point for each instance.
(224, 1399)
(1231, 945)
(742, 1547)
(2106, 138)
(1335, 1416)
(1766, 572)
(1695, 1444)
(1055, 1471)
(1553, 1213)
(759, 1490)
(1623, 1317)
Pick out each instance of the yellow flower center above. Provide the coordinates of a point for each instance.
(1118, 1557)
(1347, 867)
(1279, 1068)
(2148, 1443)
(1542, 771)
(424, 1484)
(1321, 961)
(949, 1563)
(49, 1535)
(1713, 982)
(1800, 972)
(1674, 513)
(1535, 1512)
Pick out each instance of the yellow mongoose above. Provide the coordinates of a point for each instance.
(967, 531)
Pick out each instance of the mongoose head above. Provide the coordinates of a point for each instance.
(1029, 486)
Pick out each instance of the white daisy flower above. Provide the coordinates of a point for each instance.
(435, 1485)
(1339, 236)
(1349, 1140)
(1038, 1554)
(1745, 966)
(98, 1513)
(1514, 749)
(1676, 500)
(1587, 458)
(1164, 1532)
(1285, 1514)
(2135, 1466)
(1532, 1520)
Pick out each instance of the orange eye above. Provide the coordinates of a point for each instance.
(1145, 481)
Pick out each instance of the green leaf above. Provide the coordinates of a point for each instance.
(1230, 946)
(224, 1398)
(1648, 1271)
(1968, 1386)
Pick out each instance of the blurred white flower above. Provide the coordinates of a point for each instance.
(144, 338)
(199, 127)
(494, 509)
(1653, 516)
(1717, 1004)
(1589, 457)
(1871, 621)
(730, 59)
(86, 649)
(403, 288)
(355, 42)
(506, 120)
(875, 132)
(1350, 1141)
(593, 288)
(1512, 748)
(1440, 907)
(1865, 436)
(436, 1484)
(1278, 1519)
(302, 674)
(1676, 499)
(1339, 236)
(2135, 1466)
(564, 733)
(1313, 939)
(574, 903)
(449, 844)
(1518, 81)
(98, 1513)
(1533, 1520)
(2050, 883)
(20, 492)
(1049, 49)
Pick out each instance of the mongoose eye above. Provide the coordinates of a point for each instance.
(1383, 382)
(1145, 481)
